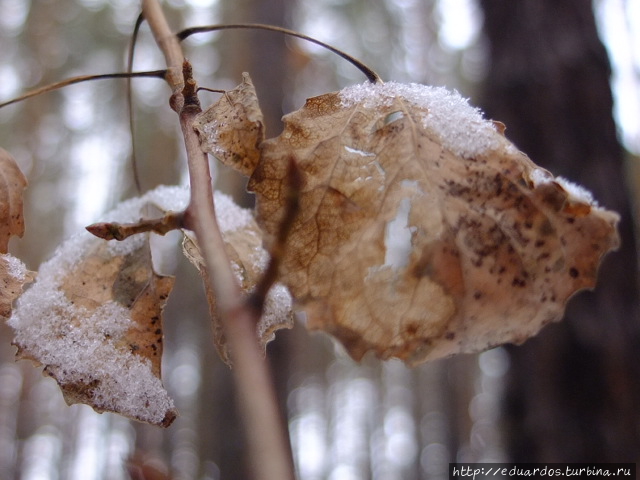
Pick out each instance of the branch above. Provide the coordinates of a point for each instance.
(130, 54)
(169, 45)
(80, 79)
(120, 231)
(372, 76)
(269, 448)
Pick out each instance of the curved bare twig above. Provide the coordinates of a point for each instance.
(130, 54)
(372, 76)
(83, 78)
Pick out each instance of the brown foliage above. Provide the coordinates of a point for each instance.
(13, 277)
(94, 320)
(13, 274)
(423, 232)
(232, 128)
(12, 185)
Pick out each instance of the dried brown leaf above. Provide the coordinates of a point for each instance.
(12, 185)
(423, 232)
(93, 319)
(129, 281)
(243, 244)
(13, 277)
(232, 128)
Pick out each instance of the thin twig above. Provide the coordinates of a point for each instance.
(371, 75)
(213, 90)
(169, 46)
(120, 231)
(80, 79)
(130, 55)
(269, 449)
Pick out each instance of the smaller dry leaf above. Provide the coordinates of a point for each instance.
(243, 243)
(232, 128)
(14, 276)
(12, 185)
(13, 273)
(93, 319)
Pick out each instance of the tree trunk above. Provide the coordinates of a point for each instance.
(573, 391)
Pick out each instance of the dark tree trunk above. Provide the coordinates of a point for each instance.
(574, 390)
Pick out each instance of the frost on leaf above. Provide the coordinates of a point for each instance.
(93, 319)
(422, 231)
(12, 185)
(243, 243)
(232, 128)
(13, 276)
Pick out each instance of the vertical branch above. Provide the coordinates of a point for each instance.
(170, 47)
(268, 442)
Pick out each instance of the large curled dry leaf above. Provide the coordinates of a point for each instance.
(93, 319)
(12, 185)
(243, 243)
(423, 232)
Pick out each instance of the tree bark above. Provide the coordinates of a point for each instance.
(573, 391)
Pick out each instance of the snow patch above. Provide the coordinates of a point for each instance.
(276, 307)
(539, 176)
(577, 192)
(229, 215)
(16, 268)
(359, 152)
(462, 128)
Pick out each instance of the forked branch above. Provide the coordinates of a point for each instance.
(269, 449)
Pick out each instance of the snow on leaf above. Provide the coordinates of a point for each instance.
(460, 127)
(12, 185)
(93, 319)
(423, 232)
(243, 242)
(13, 276)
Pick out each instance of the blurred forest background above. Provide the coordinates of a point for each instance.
(540, 66)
